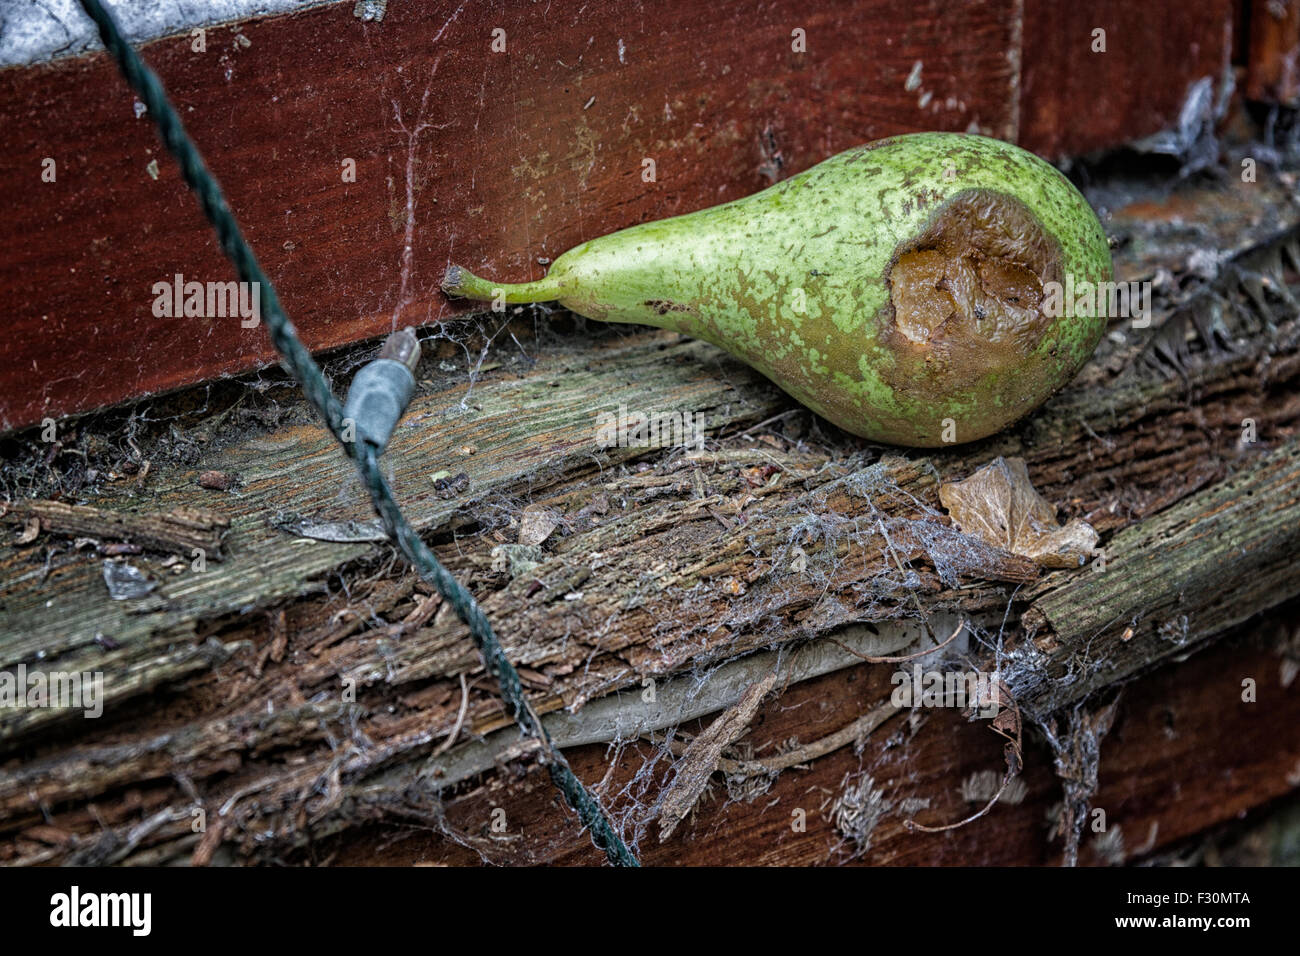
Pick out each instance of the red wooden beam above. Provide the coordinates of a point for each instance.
(1081, 90)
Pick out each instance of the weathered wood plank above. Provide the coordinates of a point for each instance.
(1185, 754)
(541, 424)
(1193, 571)
(405, 659)
(180, 531)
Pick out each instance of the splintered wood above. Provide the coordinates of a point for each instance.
(180, 530)
(700, 760)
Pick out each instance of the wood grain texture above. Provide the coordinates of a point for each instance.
(1074, 100)
(497, 158)
(1185, 753)
(542, 424)
(178, 531)
(1273, 67)
(1245, 528)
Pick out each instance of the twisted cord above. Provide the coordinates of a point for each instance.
(297, 359)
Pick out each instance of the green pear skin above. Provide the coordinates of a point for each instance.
(901, 290)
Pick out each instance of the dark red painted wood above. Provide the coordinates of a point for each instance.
(1074, 100)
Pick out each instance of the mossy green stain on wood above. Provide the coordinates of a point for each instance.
(800, 282)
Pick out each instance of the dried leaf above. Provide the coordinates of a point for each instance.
(126, 582)
(31, 530)
(536, 525)
(998, 504)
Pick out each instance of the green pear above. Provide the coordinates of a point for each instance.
(914, 291)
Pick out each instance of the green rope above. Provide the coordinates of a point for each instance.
(299, 362)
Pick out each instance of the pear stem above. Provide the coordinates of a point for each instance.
(459, 281)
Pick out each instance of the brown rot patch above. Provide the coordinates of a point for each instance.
(663, 306)
(966, 296)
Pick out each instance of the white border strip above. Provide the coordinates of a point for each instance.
(35, 31)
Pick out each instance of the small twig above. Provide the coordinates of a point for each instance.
(460, 719)
(854, 730)
(913, 825)
(768, 421)
(702, 756)
(900, 660)
(1008, 725)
